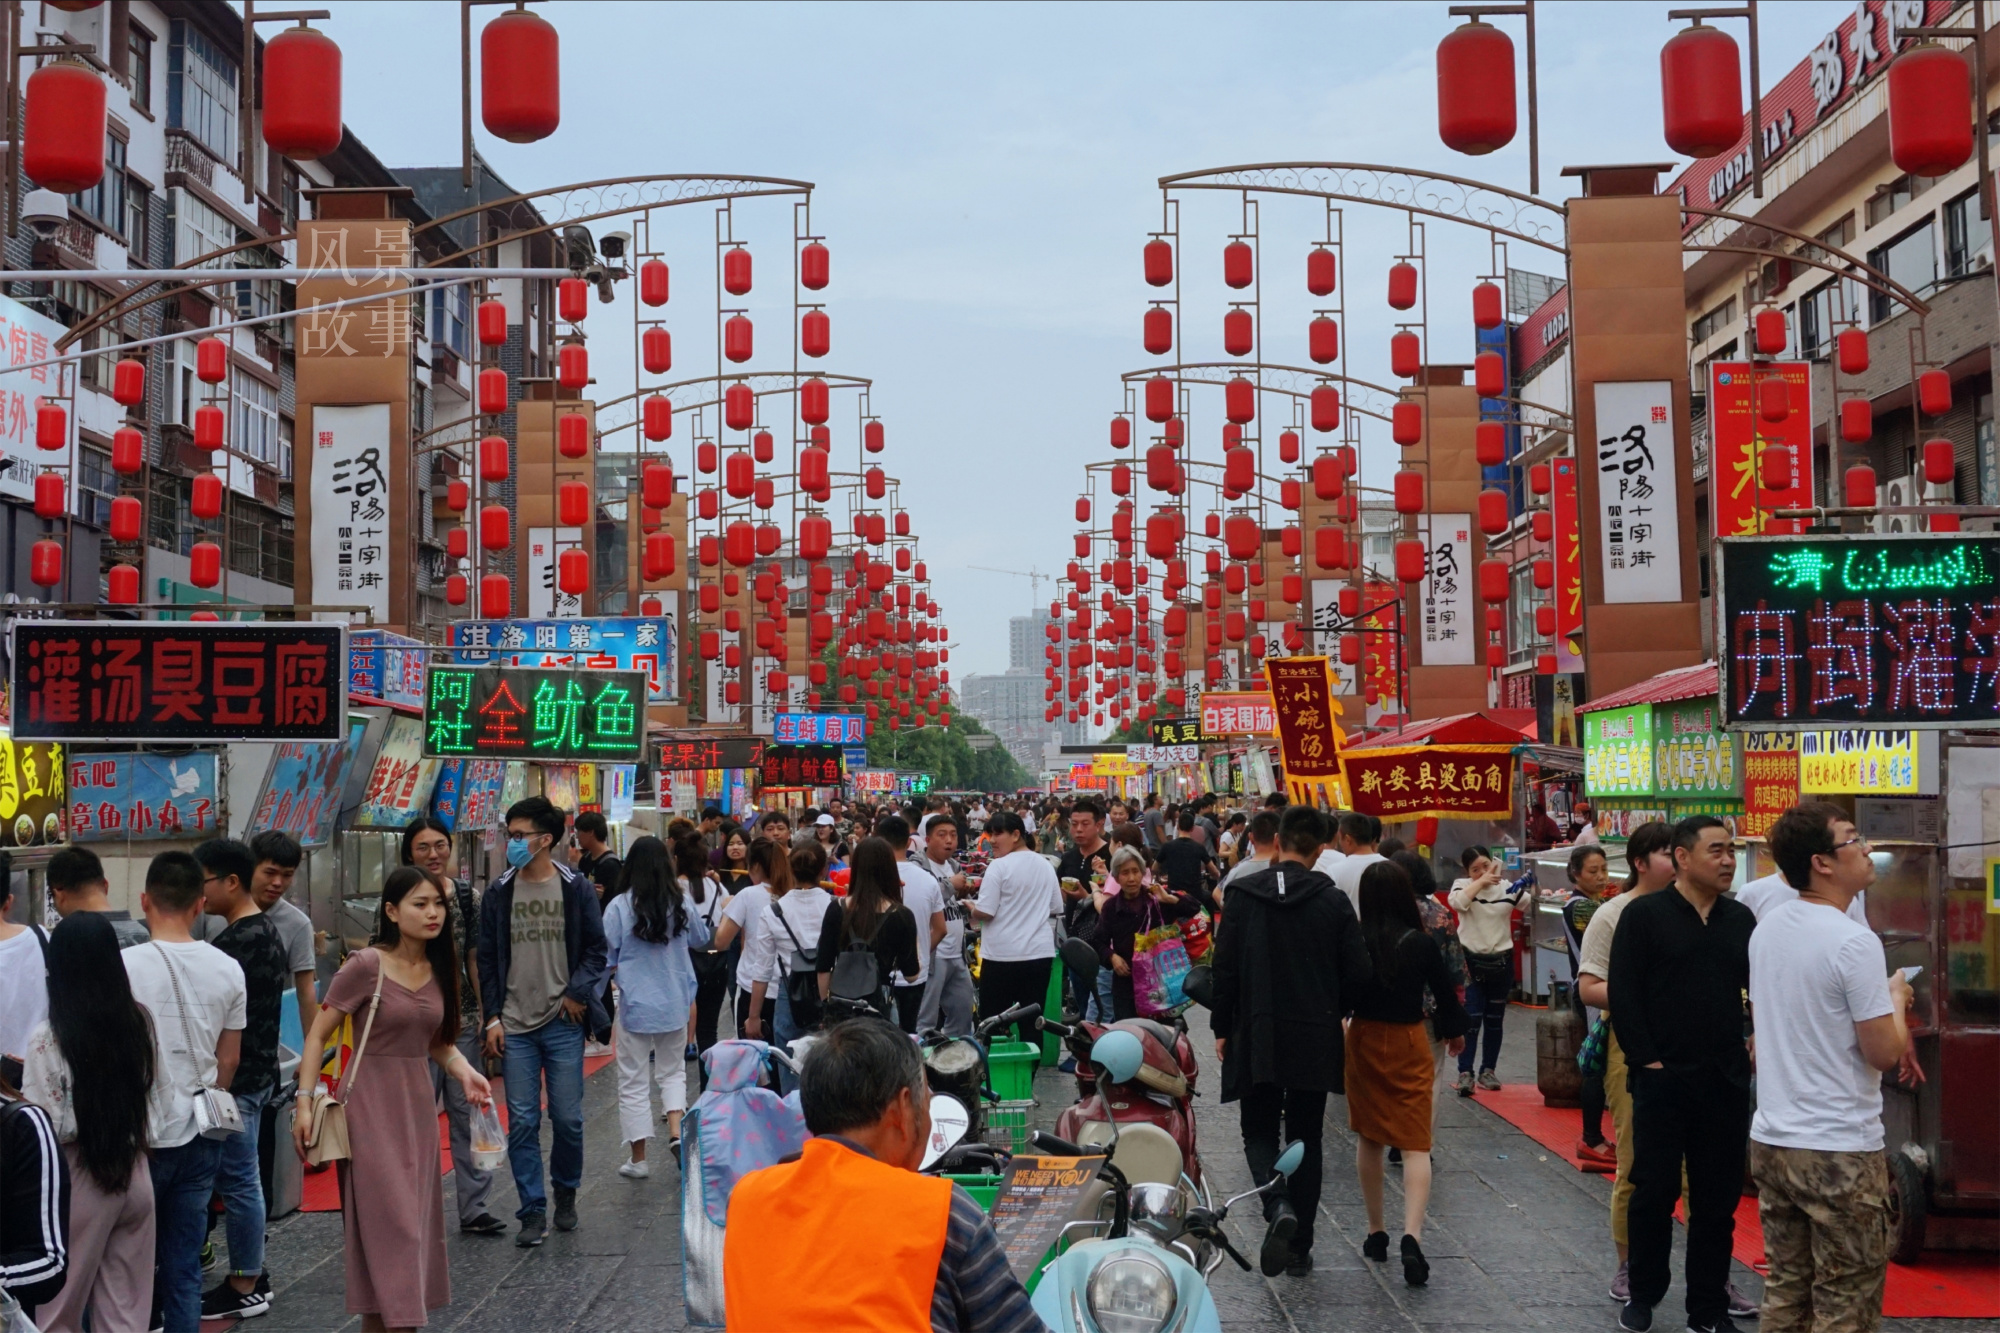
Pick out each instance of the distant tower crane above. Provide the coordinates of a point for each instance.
(1034, 576)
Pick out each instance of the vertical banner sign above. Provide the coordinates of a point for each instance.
(1326, 619)
(1738, 435)
(1308, 733)
(1569, 567)
(25, 338)
(350, 507)
(1770, 780)
(1638, 500)
(1380, 668)
(1449, 630)
(545, 599)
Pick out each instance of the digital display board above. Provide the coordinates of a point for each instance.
(1854, 630)
(175, 682)
(695, 756)
(529, 713)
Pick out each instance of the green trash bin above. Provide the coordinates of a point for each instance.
(1052, 1007)
(1010, 1068)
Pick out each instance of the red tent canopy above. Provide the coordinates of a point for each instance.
(1499, 726)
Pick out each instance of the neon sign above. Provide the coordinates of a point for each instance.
(529, 713)
(1955, 568)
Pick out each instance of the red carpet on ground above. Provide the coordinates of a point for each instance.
(1944, 1285)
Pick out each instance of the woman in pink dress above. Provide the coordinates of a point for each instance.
(391, 1188)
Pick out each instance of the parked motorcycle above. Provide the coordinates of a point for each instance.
(957, 1066)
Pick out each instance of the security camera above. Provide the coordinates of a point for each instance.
(45, 211)
(579, 250)
(612, 244)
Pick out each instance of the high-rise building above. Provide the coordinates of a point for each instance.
(1012, 705)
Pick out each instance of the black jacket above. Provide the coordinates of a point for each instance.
(1289, 960)
(34, 1205)
(583, 939)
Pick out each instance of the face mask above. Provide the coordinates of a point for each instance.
(518, 854)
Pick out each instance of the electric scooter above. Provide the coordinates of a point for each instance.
(956, 1066)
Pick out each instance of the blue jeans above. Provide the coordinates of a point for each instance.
(241, 1186)
(784, 1033)
(183, 1178)
(1488, 1013)
(1107, 1010)
(553, 1051)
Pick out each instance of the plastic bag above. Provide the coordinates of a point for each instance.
(1159, 965)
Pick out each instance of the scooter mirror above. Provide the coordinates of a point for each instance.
(1199, 985)
(1119, 1054)
(948, 1125)
(1080, 961)
(1288, 1160)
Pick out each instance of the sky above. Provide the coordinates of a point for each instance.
(986, 176)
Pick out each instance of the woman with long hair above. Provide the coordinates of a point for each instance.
(1437, 924)
(403, 994)
(732, 858)
(714, 969)
(90, 1066)
(769, 868)
(1389, 1069)
(826, 832)
(873, 917)
(649, 930)
(784, 944)
(1485, 908)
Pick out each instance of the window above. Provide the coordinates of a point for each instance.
(1715, 321)
(1822, 313)
(448, 318)
(96, 486)
(256, 424)
(1895, 195)
(139, 66)
(1839, 234)
(201, 90)
(138, 222)
(256, 297)
(182, 386)
(1968, 238)
(70, 304)
(197, 229)
(289, 196)
(105, 202)
(1522, 641)
(1911, 260)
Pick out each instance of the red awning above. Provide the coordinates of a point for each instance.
(1461, 729)
(1681, 683)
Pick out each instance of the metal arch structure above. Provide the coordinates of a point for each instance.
(1848, 266)
(763, 383)
(1309, 377)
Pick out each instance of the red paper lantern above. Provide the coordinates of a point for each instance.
(1288, 446)
(205, 496)
(496, 597)
(1406, 422)
(815, 537)
(815, 333)
(62, 133)
(1545, 621)
(1857, 420)
(656, 417)
(653, 283)
(739, 407)
(1409, 491)
(128, 450)
(1701, 91)
(813, 471)
(1239, 399)
(122, 584)
(208, 423)
(737, 338)
(1487, 306)
(1852, 345)
(1325, 408)
(1475, 81)
(1493, 578)
(1544, 574)
(1493, 516)
(1930, 110)
(1238, 333)
(1405, 355)
(573, 435)
(1489, 375)
(457, 495)
(1163, 535)
(128, 382)
(1774, 468)
(125, 517)
(656, 351)
(708, 503)
(1939, 463)
(492, 391)
(1291, 495)
(1539, 479)
(204, 564)
(739, 543)
(739, 475)
(660, 556)
(573, 504)
(1774, 400)
(1771, 337)
(211, 361)
(1323, 340)
(520, 92)
(815, 402)
(1159, 263)
(1411, 562)
(49, 495)
(493, 460)
(1239, 268)
(1402, 285)
(1239, 470)
(1860, 486)
(1934, 393)
(496, 527)
(573, 572)
(1943, 522)
(491, 323)
(1542, 525)
(871, 437)
(875, 482)
(1327, 477)
(1322, 271)
(1121, 433)
(52, 426)
(572, 300)
(736, 271)
(1242, 536)
(1489, 443)
(457, 545)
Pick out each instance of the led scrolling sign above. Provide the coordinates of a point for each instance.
(1822, 631)
(528, 713)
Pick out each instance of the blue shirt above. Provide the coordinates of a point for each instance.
(656, 982)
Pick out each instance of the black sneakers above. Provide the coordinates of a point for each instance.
(1277, 1249)
(1376, 1247)
(565, 1209)
(486, 1224)
(1722, 1323)
(1637, 1317)
(225, 1302)
(1416, 1268)
(1300, 1264)
(534, 1228)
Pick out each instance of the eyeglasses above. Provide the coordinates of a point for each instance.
(1839, 847)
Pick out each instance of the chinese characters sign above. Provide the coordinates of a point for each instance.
(467, 796)
(350, 507)
(386, 666)
(1178, 731)
(1868, 763)
(1302, 698)
(1447, 629)
(1163, 756)
(1236, 715)
(1618, 751)
(528, 713)
(1738, 435)
(1770, 780)
(25, 338)
(1443, 781)
(31, 794)
(721, 752)
(116, 796)
(820, 728)
(802, 766)
(544, 597)
(1569, 565)
(1638, 500)
(302, 789)
(1887, 631)
(613, 643)
(1692, 756)
(399, 786)
(875, 780)
(178, 683)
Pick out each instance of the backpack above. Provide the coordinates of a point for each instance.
(857, 973)
(801, 977)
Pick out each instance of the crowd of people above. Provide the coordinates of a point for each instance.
(145, 1069)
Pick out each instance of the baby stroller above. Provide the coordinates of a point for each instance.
(736, 1127)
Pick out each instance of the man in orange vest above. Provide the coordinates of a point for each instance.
(847, 1235)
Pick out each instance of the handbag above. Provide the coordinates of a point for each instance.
(326, 1128)
(215, 1113)
(1198, 935)
(801, 978)
(1595, 1049)
(1159, 967)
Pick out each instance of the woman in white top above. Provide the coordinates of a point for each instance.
(1485, 910)
(91, 1067)
(770, 880)
(790, 927)
(713, 967)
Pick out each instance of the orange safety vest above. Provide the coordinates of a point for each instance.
(832, 1242)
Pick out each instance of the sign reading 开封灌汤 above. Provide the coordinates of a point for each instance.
(526, 713)
(1818, 632)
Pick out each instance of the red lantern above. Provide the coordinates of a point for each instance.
(1701, 91)
(1159, 398)
(1409, 491)
(1239, 471)
(495, 527)
(1325, 408)
(492, 323)
(739, 543)
(52, 426)
(1774, 468)
(1239, 399)
(128, 382)
(1238, 265)
(1121, 433)
(1157, 330)
(739, 407)
(813, 476)
(1853, 351)
(1489, 443)
(457, 545)
(1539, 479)
(457, 495)
(573, 504)
(1326, 476)
(1487, 311)
(572, 300)
(493, 461)
(737, 338)
(128, 450)
(1322, 271)
(1769, 326)
(1238, 332)
(125, 515)
(1411, 563)
(815, 537)
(1288, 446)
(1405, 355)
(1943, 522)
(871, 437)
(1857, 421)
(492, 391)
(205, 496)
(1544, 573)
(1323, 340)
(1934, 393)
(739, 475)
(660, 556)
(736, 271)
(1930, 110)
(708, 504)
(656, 417)
(49, 495)
(572, 366)
(519, 78)
(1406, 422)
(1545, 621)
(1242, 536)
(63, 133)
(1493, 576)
(573, 572)
(1291, 495)
(1773, 400)
(653, 277)
(1475, 81)
(496, 597)
(1493, 516)
(656, 484)
(815, 333)
(208, 422)
(1939, 463)
(1402, 286)
(204, 563)
(122, 583)
(1861, 486)
(1489, 375)
(1083, 509)
(1542, 524)
(656, 351)
(1163, 535)
(211, 360)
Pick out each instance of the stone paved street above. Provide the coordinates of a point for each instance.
(1517, 1240)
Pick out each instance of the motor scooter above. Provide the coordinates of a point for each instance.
(1149, 1272)
(956, 1066)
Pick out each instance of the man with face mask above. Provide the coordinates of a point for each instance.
(541, 972)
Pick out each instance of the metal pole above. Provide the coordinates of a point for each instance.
(246, 96)
(465, 86)
(1756, 109)
(1534, 118)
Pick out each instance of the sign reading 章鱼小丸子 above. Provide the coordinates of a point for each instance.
(1852, 631)
(527, 713)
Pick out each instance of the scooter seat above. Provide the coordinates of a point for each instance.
(1146, 1153)
(1155, 1029)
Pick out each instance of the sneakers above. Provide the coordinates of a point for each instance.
(1300, 1264)
(1720, 1324)
(1637, 1317)
(1596, 1157)
(1740, 1306)
(1277, 1250)
(1621, 1285)
(208, 1256)
(486, 1224)
(1465, 1083)
(594, 1047)
(534, 1229)
(565, 1209)
(225, 1302)
(1489, 1081)
(1376, 1247)
(631, 1171)
(1416, 1268)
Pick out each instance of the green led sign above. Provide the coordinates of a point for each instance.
(1953, 567)
(528, 713)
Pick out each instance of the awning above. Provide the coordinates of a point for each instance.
(1681, 683)
(1459, 729)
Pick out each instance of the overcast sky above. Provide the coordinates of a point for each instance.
(986, 176)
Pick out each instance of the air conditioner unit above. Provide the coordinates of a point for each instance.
(1897, 493)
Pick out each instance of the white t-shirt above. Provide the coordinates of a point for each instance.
(1814, 974)
(1028, 820)
(24, 992)
(1329, 861)
(768, 946)
(744, 909)
(953, 943)
(1348, 876)
(1021, 895)
(922, 897)
(212, 984)
(1761, 895)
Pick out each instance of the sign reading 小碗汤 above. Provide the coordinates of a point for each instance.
(1844, 631)
(527, 713)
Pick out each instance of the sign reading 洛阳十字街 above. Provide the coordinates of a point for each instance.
(177, 683)
(1447, 632)
(608, 643)
(1868, 763)
(1618, 751)
(1638, 495)
(1853, 631)
(527, 713)
(350, 507)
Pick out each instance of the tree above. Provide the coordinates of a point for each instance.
(945, 753)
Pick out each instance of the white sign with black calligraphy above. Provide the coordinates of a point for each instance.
(1448, 621)
(1638, 501)
(545, 600)
(717, 677)
(350, 507)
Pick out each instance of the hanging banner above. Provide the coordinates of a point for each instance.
(400, 784)
(1569, 566)
(524, 713)
(682, 756)
(1447, 623)
(117, 796)
(178, 683)
(1770, 779)
(1238, 714)
(545, 599)
(608, 643)
(1739, 432)
(350, 507)
(1638, 498)
(1309, 733)
(302, 788)
(25, 338)
(1442, 781)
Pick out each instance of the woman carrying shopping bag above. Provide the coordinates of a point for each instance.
(1124, 916)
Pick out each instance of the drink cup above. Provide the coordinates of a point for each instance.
(489, 1141)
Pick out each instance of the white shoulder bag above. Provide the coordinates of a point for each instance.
(215, 1113)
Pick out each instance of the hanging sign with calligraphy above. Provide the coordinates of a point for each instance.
(350, 507)
(1238, 714)
(525, 713)
(1638, 497)
(695, 756)
(177, 683)
(1851, 630)
(1441, 781)
(1308, 732)
(1448, 631)
(802, 766)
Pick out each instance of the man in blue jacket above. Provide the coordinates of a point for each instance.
(541, 971)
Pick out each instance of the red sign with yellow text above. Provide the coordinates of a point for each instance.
(1738, 435)
(1302, 698)
(1238, 714)
(1444, 781)
(1770, 780)
(1569, 568)
(1379, 652)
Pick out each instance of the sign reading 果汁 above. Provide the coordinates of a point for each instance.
(1857, 631)
(535, 714)
(178, 683)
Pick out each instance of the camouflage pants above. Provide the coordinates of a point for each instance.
(1826, 1235)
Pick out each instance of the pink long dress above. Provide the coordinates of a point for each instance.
(391, 1189)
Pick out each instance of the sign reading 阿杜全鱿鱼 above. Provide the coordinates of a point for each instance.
(527, 713)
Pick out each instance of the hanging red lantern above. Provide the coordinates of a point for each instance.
(1493, 579)
(1121, 433)
(656, 351)
(1544, 574)
(737, 338)
(656, 418)
(1159, 263)
(871, 437)
(708, 504)
(1940, 465)
(1539, 479)
(49, 495)
(815, 333)
(1857, 420)
(1402, 285)
(1701, 91)
(656, 483)
(1239, 267)
(1242, 536)
(52, 426)
(457, 495)
(1489, 375)
(1934, 393)
(496, 597)
(1475, 86)
(520, 91)
(573, 435)
(1943, 522)
(1159, 398)
(1860, 486)
(815, 402)
(122, 584)
(1290, 495)
(125, 516)
(1852, 345)
(455, 590)
(494, 463)
(1774, 468)
(457, 545)
(813, 471)
(1322, 271)
(1405, 354)
(1406, 422)
(653, 277)
(62, 133)
(1489, 443)
(492, 391)
(1288, 446)
(739, 543)
(1411, 562)
(128, 450)
(1493, 516)
(572, 300)
(1930, 110)
(573, 572)
(1774, 401)
(205, 496)
(660, 556)
(496, 527)
(1239, 398)
(739, 407)
(1326, 476)
(208, 423)
(736, 271)
(128, 382)
(1769, 328)
(1238, 332)
(815, 266)
(1542, 524)
(708, 550)
(815, 537)
(491, 323)
(739, 475)
(1239, 471)
(1157, 330)
(763, 447)
(1409, 491)
(1325, 408)
(1323, 340)
(1163, 535)
(1487, 306)
(573, 504)
(204, 563)
(211, 360)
